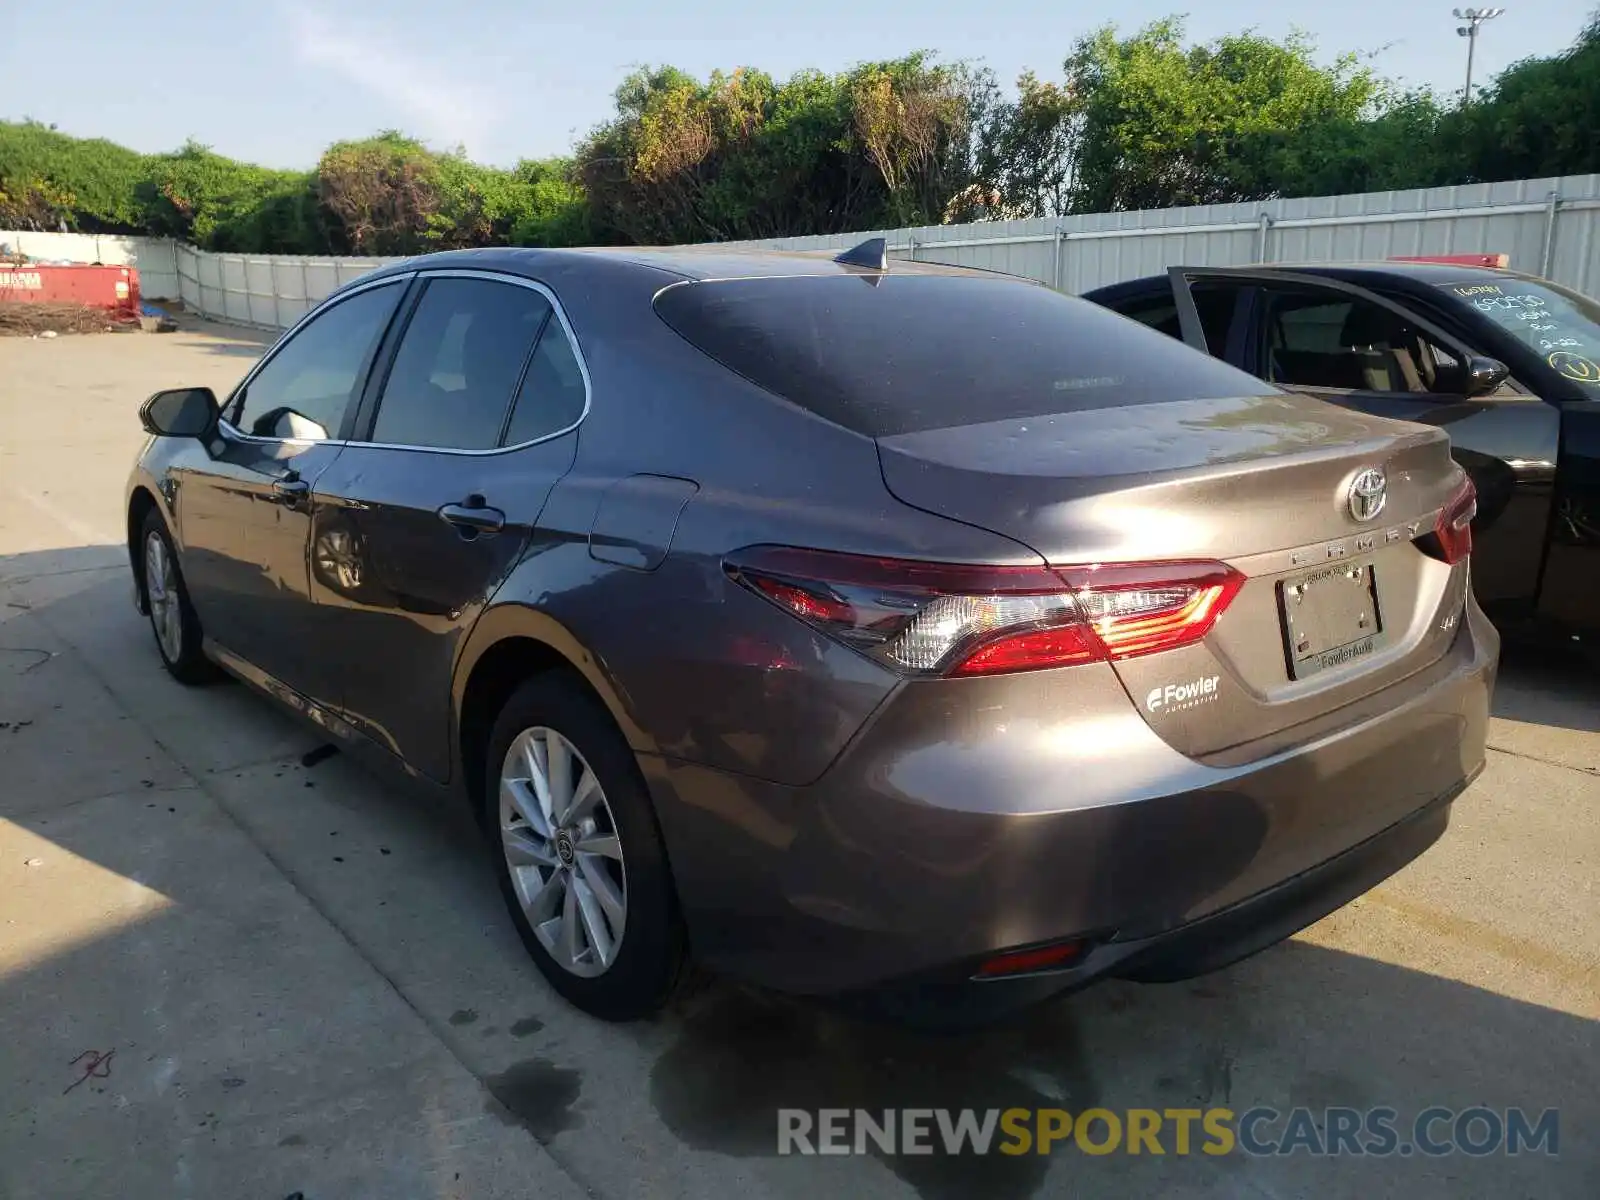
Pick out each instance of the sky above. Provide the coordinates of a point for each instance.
(275, 81)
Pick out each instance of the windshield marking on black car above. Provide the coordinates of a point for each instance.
(1558, 325)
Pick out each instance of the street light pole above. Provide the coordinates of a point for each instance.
(1473, 18)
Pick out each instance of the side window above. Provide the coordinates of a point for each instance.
(1447, 368)
(552, 395)
(305, 388)
(458, 364)
(1215, 306)
(1336, 341)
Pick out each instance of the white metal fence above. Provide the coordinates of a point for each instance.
(1548, 226)
(268, 290)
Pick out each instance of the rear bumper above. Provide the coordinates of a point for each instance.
(953, 999)
(952, 830)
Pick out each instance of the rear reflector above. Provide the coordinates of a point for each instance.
(957, 619)
(1453, 531)
(1019, 962)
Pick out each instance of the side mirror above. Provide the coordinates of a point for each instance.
(1484, 375)
(181, 412)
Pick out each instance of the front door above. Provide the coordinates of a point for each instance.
(244, 510)
(1347, 345)
(419, 521)
(1570, 592)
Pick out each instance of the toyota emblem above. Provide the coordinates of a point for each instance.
(1368, 493)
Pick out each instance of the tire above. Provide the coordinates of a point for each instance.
(173, 621)
(554, 713)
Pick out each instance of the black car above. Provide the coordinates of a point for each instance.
(1508, 363)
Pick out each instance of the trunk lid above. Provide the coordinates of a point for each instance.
(1262, 483)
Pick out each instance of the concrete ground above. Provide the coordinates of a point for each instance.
(223, 973)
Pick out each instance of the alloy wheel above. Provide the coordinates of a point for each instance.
(562, 850)
(161, 587)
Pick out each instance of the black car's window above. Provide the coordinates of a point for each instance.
(1332, 340)
(897, 354)
(1160, 312)
(458, 363)
(552, 394)
(306, 387)
(1562, 326)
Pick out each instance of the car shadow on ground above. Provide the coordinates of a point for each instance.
(1540, 685)
(405, 883)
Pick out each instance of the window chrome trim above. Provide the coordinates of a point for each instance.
(233, 434)
(231, 431)
(572, 341)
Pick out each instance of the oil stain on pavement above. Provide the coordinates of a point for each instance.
(536, 1095)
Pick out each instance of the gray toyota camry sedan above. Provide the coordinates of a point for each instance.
(884, 631)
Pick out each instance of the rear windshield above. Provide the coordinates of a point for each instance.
(885, 355)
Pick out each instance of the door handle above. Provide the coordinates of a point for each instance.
(290, 490)
(473, 519)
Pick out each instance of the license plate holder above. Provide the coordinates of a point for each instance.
(1330, 617)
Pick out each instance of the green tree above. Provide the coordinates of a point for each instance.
(1139, 121)
(218, 203)
(554, 210)
(1412, 141)
(390, 194)
(1540, 116)
(913, 120)
(743, 156)
(48, 177)
(1164, 124)
(381, 194)
(1027, 150)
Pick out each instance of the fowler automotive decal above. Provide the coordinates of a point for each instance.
(1344, 654)
(1175, 697)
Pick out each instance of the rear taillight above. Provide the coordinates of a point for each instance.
(1452, 534)
(955, 619)
(1143, 608)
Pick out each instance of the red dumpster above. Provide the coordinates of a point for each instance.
(115, 289)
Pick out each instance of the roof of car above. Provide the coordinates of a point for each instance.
(731, 262)
(1418, 272)
(685, 262)
(1422, 272)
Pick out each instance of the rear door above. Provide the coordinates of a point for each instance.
(1350, 346)
(437, 496)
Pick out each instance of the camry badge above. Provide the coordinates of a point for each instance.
(1368, 493)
